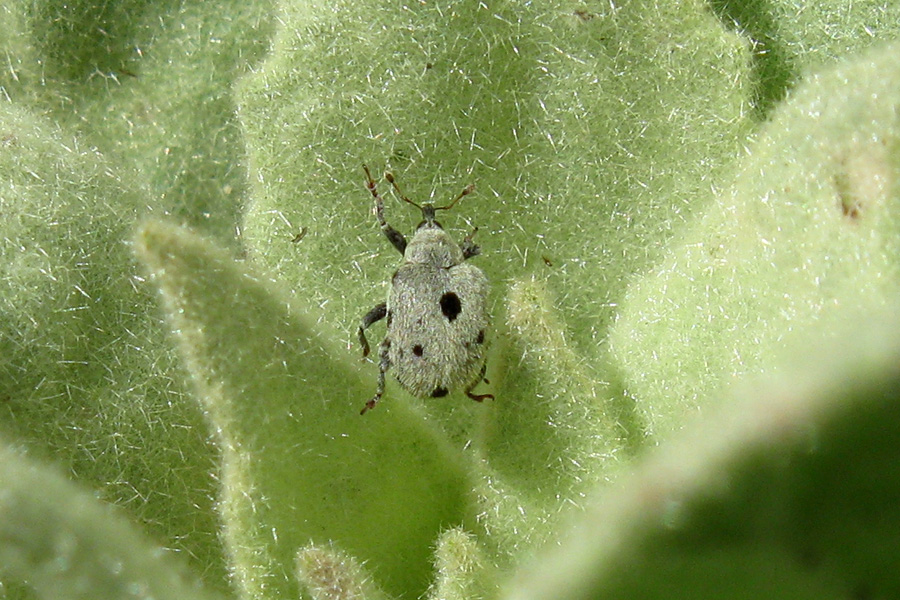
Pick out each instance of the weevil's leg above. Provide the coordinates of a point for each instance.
(373, 316)
(396, 238)
(476, 381)
(469, 247)
(383, 365)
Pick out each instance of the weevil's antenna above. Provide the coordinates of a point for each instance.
(466, 191)
(390, 177)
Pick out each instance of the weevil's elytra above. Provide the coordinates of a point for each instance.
(436, 308)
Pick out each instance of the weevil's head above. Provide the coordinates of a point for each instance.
(431, 245)
(428, 220)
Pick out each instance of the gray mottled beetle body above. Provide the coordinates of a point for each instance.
(436, 309)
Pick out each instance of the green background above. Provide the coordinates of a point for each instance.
(690, 215)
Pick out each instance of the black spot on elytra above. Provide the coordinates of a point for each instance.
(450, 306)
(417, 350)
(480, 338)
(439, 392)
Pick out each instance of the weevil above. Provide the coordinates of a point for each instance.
(436, 310)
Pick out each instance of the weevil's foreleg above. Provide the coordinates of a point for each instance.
(396, 238)
(384, 364)
(476, 381)
(373, 316)
(469, 247)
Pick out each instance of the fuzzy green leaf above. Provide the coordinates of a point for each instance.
(300, 464)
(794, 39)
(65, 545)
(327, 574)
(792, 491)
(462, 571)
(87, 379)
(150, 85)
(806, 240)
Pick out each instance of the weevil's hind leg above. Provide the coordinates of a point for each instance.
(396, 238)
(373, 316)
(469, 247)
(476, 381)
(383, 365)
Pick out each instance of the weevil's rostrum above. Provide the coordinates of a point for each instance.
(436, 311)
